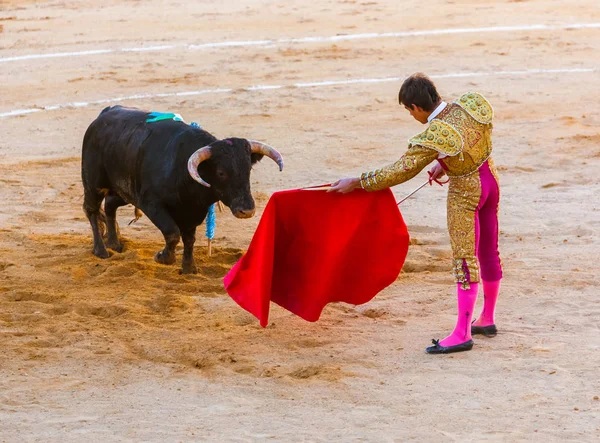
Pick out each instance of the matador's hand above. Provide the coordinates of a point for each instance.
(345, 185)
(435, 172)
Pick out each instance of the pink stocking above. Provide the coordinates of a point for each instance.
(466, 303)
(490, 296)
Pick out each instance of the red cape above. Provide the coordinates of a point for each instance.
(312, 248)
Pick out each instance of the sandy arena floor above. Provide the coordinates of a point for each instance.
(125, 349)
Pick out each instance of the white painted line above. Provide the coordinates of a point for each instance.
(293, 85)
(323, 39)
(24, 111)
(347, 82)
(230, 44)
(148, 48)
(263, 87)
(56, 55)
(526, 72)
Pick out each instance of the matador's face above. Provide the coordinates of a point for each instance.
(418, 113)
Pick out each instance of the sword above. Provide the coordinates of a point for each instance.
(413, 192)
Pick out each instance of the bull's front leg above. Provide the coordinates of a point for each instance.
(163, 221)
(189, 238)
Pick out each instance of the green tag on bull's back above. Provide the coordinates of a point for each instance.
(159, 116)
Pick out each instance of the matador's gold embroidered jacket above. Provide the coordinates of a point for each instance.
(460, 134)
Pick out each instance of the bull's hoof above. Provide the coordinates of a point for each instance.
(189, 268)
(117, 247)
(164, 258)
(101, 253)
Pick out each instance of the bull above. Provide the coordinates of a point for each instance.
(173, 172)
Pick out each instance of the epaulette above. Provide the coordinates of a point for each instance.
(477, 107)
(440, 137)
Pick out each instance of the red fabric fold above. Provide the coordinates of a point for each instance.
(312, 248)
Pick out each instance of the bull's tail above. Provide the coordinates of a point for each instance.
(102, 222)
(138, 214)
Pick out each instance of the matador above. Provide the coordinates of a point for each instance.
(459, 139)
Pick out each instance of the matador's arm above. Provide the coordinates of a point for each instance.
(409, 165)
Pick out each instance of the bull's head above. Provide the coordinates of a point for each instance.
(226, 164)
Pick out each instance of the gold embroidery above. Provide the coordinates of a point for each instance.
(408, 162)
(441, 137)
(493, 170)
(477, 145)
(463, 197)
(409, 165)
(461, 273)
(462, 131)
(477, 106)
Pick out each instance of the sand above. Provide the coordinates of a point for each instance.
(124, 349)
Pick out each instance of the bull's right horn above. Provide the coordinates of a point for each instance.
(195, 159)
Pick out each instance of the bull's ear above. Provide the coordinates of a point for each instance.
(256, 157)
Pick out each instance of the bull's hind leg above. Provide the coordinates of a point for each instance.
(163, 221)
(91, 205)
(111, 204)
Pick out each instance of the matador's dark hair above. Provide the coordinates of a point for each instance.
(418, 89)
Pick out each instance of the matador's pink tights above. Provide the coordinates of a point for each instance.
(466, 304)
(490, 296)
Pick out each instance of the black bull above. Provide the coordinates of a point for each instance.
(171, 171)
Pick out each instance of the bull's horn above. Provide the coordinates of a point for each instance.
(272, 153)
(195, 159)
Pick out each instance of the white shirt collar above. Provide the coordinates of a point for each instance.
(436, 111)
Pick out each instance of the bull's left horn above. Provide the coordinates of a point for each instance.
(272, 153)
(195, 159)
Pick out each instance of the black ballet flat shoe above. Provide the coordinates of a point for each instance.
(439, 349)
(488, 331)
